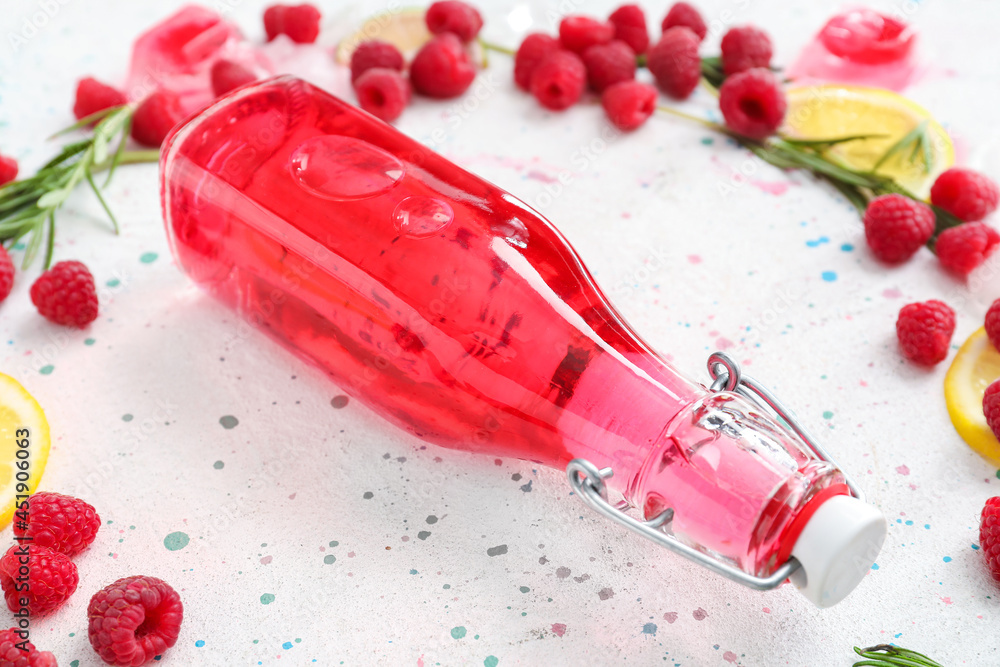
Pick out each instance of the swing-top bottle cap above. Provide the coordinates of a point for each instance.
(837, 548)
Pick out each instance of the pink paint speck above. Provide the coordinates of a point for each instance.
(350, 554)
(292, 497)
(420, 661)
(266, 559)
(699, 614)
(766, 610)
(892, 293)
(946, 600)
(723, 343)
(903, 470)
(536, 175)
(558, 629)
(694, 259)
(776, 188)
(729, 656)
(670, 616)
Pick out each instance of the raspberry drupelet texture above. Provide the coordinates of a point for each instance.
(299, 22)
(66, 295)
(375, 53)
(228, 75)
(533, 50)
(744, 48)
(12, 655)
(991, 410)
(966, 194)
(52, 577)
(155, 117)
(577, 33)
(896, 227)
(559, 80)
(961, 249)
(133, 620)
(93, 96)
(992, 323)
(683, 14)
(989, 530)
(61, 523)
(924, 331)
(6, 273)
(456, 17)
(752, 103)
(442, 68)
(8, 169)
(608, 64)
(383, 92)
(630, 27)
(629, 104)
(674, 63)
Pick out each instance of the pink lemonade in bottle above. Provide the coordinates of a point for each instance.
(464, 317)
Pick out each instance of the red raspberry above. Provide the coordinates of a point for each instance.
(93, 96)
(52, 577)
(8, 169)
(989, 522)
(744, 48)
(454, 16)
(6, 273)
(966, 194)
(896, 227)
(630, 27)
(559, 80)
(61, 523)
(576, 33)
(65, 294)
(533, 50)
(155, 117)
(752, 103)
(442, 68)
(11, 654)
(608, 64)
(375, 53)
(992, 323)
(924, 331)
(961, 249)
(683, 14)
(133, 620)
(228, 75)
(383, 93)
(674, 63)
(299, 22)
(629, 103)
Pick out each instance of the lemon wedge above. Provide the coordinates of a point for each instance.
(23, 428)
(830, 111)
(405, 29)
(975, 367)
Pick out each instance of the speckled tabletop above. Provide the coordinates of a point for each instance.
(299, 528)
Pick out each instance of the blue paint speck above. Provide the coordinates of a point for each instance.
(975, 547)
(927, 526)
(909, 523)
(874, 566)
(649, 629)
(829, 276)
(947, 559)
(286, 645)
(818, 242)
(847, 247)
(200, 643)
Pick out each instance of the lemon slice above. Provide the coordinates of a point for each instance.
(975, 367)
(405, 29)
(22, 421)
(830, 111)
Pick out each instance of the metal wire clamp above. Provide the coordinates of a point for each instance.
(588, 481)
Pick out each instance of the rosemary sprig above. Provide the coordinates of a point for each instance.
(28, 206)
(887, 655)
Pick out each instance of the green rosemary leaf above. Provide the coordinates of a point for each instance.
(826, 143)
(915, 135)
(50, 246)
(85, 121)
(104, 204)
(33, 245)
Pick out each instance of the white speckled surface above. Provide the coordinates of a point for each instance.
(135, 401)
